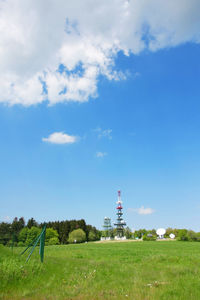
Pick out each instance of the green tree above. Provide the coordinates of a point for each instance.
(31, 222)
(5, 233)
(153, 231)
(168, 232)
(77, 235)
(139, 233)
(33, 232)
(96, 232)
(175, 232)
(50, 234)
(192, 236)
(128, 233)
(23, 235)
(113, 232)
(21, 223)
(92, 236)
(16, 226)
(182, 235)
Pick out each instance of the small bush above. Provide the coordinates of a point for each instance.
(20, 244)
(53, 241)
(77, 235)
(11, 244)
(148, 237)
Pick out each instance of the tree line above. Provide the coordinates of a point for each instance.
(180, 234)
(58, 232)
(63, 232)
(150, 235)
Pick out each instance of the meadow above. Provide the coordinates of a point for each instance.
(111, 270)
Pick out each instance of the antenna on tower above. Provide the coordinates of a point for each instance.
(119, 197)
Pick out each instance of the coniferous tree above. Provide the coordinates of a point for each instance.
(31, 222)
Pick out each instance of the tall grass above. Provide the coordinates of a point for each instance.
(142, 271)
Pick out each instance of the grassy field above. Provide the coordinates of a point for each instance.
(128, 270)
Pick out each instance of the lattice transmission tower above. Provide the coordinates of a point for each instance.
(120, 223)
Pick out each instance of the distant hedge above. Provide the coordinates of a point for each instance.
(149, 237)
(19, 233)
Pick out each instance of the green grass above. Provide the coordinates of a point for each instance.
(128, 270)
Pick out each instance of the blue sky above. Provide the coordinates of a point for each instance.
(134, 126)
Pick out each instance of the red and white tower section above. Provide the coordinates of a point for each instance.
(120, 223)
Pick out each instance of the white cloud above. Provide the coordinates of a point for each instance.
(104, 133)
(101, 154)
(60, 138)
(142, 210)
(84, 37)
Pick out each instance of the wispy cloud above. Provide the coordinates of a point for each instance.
(101, 154)
(142, 210)
(60, 138)
(104, 133)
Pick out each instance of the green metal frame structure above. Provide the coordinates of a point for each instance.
(41, 239)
